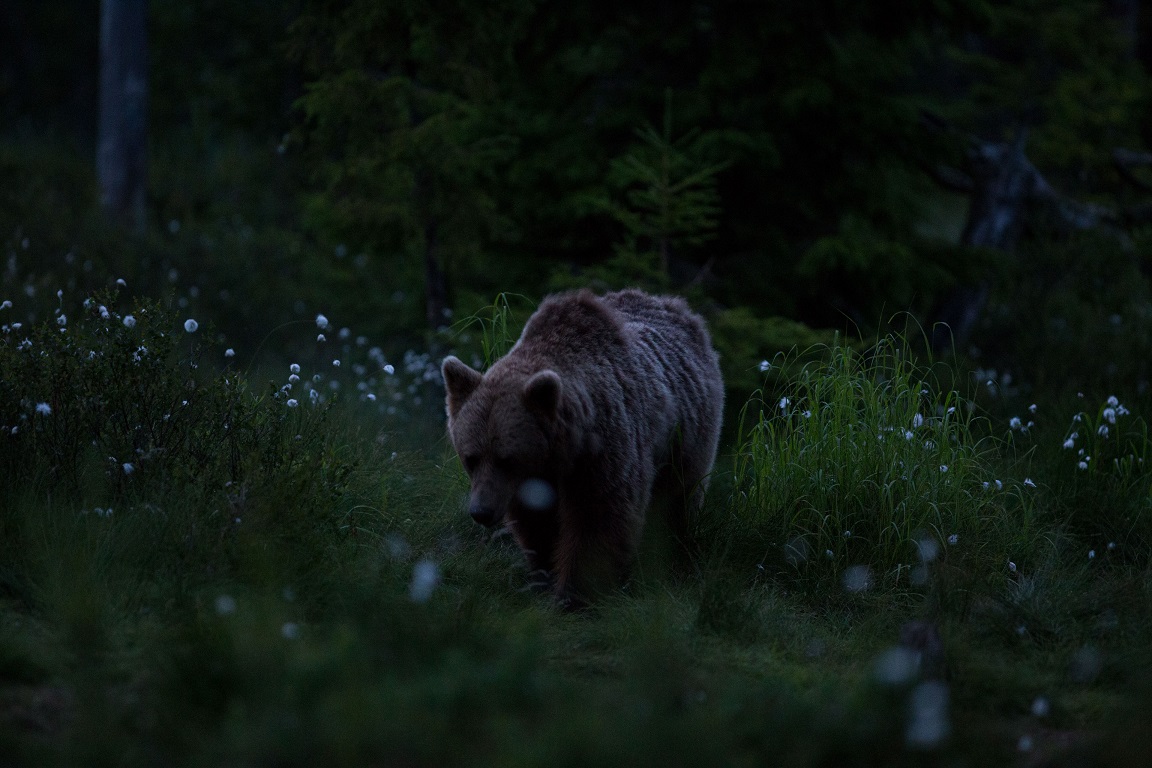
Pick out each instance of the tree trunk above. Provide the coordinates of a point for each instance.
(1003, 182)
(122, 133)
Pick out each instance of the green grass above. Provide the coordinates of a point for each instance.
(250, 598)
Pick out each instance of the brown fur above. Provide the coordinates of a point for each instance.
(602, 398)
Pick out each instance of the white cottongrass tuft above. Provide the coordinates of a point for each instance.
(290, 630)
(896, 666)
(129, 321)
(857, 578)
(928, 721)
(229, 352)
(43, 409)
(389, 369)
(225, 605)
(294, 368)
(425, 577)
(128, 467)
(191, 325)
(292, 403)
(321, 322)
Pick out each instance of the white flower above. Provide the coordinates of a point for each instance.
(104, 313)
(1012, 566)
(1109, 415)
(1102, 430)
(292, 403)
(128, 467)
(425, 577)
(1069, 444)
(1112, 401)
(321, 322)
(908, 434)
(320, 338)
(293, 379)
(191, 325)
(62, 319)
(43, 409)
(336, 363)
(129, 321)
(1040, 706)
(1122, 410)
(917, 421)
(389, 369)
(1083, 465)
(943, 467)
(999, 485)
(1032, 408)
(1091, 554)
(954, 539)
(784, 403)
(1028, 482)
(6, 305)
(229, 352)
(764, 365)
(294, 368)
(1014, 422)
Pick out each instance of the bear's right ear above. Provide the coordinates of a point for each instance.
(460, 381)
(542, 392)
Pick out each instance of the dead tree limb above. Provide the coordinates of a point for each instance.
(1004, 189)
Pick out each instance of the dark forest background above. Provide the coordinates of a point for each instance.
(794, 168)
(237, 238)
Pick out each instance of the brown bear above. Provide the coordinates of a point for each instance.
(601, 400)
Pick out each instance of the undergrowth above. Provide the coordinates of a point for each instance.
(195, 570)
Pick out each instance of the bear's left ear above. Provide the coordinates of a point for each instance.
(460, 381)
(542, 392)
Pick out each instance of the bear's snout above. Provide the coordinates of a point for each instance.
(482, 514)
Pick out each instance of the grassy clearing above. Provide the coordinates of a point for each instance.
(278, 580)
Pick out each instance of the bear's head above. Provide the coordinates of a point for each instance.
(502, 425)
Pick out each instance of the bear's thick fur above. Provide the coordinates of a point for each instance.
(565, 437)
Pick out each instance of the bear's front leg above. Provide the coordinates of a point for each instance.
(594, 551)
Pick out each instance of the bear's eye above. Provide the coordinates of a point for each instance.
(471, 461)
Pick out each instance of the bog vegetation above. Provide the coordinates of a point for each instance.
(232, 531)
